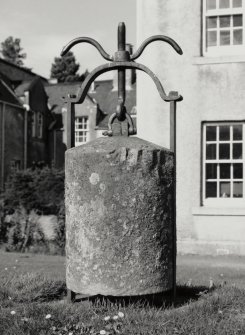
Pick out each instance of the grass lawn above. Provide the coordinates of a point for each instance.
(32, 291)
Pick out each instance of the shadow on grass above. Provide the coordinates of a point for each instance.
(184, 294)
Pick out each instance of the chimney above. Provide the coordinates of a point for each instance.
(130, 74)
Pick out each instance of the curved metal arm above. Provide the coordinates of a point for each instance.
(163, 38)
(89, 40)
(79, 98)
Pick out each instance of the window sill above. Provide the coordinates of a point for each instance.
(206, 60)
(215, 211)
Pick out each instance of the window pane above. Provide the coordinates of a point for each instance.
(224, 151)
(224, 3)
(237, 190)
(211, 189)
(237, 132)
(237, 37)
(237, 20)
(225, 37)
(225, 21)
(236, 3)
(212, 38)
(225, 171)
(211, 4)
(237, 150)
(237, 171)
(224, 133)
(211, 133)
(211, 151)
(211, 171)
(212, 22)
(225, 189)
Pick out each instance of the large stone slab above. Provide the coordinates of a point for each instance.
(119, 217)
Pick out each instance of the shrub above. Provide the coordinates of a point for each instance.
(28, 193)
(3, 225)
(23, 231)
(60, 234)
(39, 189)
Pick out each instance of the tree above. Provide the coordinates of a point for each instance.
(12, 51)
(84, 75)
(65, 68)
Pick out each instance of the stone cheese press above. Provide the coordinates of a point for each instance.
(119, 196)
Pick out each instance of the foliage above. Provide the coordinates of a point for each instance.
(29, 193)
(84, 75)
(39, 189)
(23, 230)
(12, 51)
(3, 226)
(65, 68)
(60, 234)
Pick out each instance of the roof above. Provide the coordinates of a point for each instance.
(56, 93)
(6, 92)
(6, 79)
(25, 86)
(22, 88)
(17, 73)
(107, 100)
(103, 95)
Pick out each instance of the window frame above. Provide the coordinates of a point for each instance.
(85, 131)
(222, 50)
(219, 201)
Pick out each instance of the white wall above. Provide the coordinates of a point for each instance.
(212, 90)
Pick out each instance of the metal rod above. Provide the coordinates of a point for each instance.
(173, 146)
(70, 125)
(151, 39)
(89, 40)
(121, 36)
(121, 86)
(71, 296)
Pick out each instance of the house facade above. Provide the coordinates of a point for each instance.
(210, 119)
(13, 126)
(27, 126)
(92, 116)
(34, 99)
(85, 114)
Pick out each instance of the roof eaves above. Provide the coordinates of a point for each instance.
(22, 68)
(11, 92)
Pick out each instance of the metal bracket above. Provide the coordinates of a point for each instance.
(121, 61)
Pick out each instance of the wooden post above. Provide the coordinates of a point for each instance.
(173, 137)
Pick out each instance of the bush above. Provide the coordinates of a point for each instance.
(39, 189)
(27, 194)
(3, 226)
(23, 231)
(60, 234)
